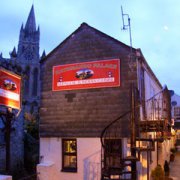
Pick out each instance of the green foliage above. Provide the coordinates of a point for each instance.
(31, 142)
(31, 124)
(157, 173)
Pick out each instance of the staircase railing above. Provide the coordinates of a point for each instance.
(156, 107)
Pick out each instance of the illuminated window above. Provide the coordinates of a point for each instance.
(177, 111)
(69, 155)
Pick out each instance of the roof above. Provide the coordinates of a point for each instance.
(86, 26)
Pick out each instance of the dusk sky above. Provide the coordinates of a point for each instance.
(155, 27)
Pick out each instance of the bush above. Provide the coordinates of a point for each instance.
(173, 150)
(157, 173)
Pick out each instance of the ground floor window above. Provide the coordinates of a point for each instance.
(69, 155)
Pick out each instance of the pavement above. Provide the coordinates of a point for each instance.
(175, 167)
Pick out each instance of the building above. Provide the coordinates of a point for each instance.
(25, 62)
(103, 113)
(175, 102)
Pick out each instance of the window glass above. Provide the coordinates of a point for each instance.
(177, 111)
(69, 155)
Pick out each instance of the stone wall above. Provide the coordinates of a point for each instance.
(84, 113)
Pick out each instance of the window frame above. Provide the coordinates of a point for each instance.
(177, 111)
(68, 169)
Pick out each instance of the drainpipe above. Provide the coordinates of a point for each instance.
(133, 133)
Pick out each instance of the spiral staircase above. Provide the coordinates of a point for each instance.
(114, 164)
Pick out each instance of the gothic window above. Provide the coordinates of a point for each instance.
(29, 55)
(69, 155)
(23, 48)
(27, 80)
(35, 82)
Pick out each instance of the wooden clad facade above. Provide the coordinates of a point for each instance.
(85, 112)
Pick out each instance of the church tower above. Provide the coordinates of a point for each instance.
(28, 57)
(28, 47)
(25, 62)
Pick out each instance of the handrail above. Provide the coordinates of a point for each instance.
(127, 112)
(104, 130)
(156, 94)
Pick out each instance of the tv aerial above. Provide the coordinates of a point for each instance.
(127, 25)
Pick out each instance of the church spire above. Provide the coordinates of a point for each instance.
(31, 22)
(28, 47)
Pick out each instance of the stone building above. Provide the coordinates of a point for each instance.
(25, 62)
(103, 114)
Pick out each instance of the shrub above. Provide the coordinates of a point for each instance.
(157, 173)
(173, 150)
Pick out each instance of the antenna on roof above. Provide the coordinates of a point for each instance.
(127, 26)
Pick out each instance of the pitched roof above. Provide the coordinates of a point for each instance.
(83, 26)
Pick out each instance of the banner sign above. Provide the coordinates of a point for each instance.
(95, 74)
(10, 86)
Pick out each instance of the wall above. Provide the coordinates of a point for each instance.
(85, 112)
(88, 155)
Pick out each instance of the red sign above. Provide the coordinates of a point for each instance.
(95, 74)
(10, 85)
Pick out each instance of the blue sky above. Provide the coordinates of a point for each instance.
(155, 27)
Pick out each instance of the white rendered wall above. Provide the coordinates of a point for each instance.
(88, 156)
(5, 177)
(151, 86)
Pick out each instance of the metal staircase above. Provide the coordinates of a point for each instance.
(114, 165)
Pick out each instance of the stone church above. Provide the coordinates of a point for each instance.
(23, 61)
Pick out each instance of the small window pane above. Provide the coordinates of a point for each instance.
(69, 155)
(70, 146)
(70, 161)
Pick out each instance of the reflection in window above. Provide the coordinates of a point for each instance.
(69, 155)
